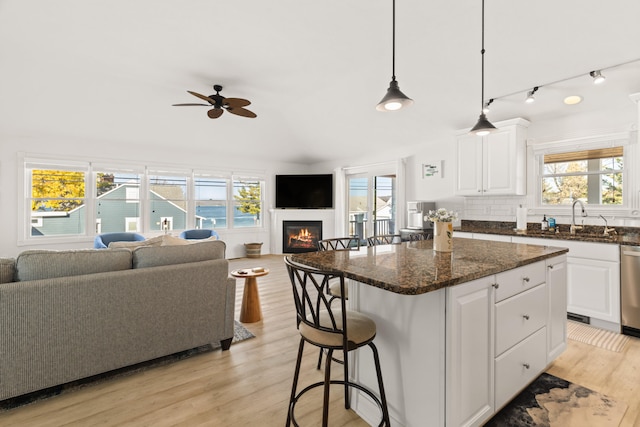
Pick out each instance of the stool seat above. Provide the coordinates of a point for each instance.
(360, 331)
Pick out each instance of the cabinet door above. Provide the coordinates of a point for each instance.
(470, 356)
(557, 324)
(469, 161)
(594, 288)
(493, 164)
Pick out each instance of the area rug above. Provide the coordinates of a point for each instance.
(553, 402)
(240, 333)
(597, 337)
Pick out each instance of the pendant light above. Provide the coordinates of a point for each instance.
(484, 126)
(394, 99)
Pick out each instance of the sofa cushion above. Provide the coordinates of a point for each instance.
(44, 264)
(154, 241)
(152, 256)
(7, 270)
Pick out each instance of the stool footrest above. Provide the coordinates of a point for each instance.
(360, 387)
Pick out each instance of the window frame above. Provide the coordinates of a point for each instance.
(537, 151)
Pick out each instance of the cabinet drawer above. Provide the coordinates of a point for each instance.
(518, 366)
(519, 316)
(519, 279)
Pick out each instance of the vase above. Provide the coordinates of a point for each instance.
(443, 236)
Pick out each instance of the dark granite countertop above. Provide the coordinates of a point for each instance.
(590, 233)
(413, 268)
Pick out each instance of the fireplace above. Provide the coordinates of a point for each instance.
(301, 236)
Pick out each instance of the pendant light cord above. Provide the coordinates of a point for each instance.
(482, 56)
(393, 42)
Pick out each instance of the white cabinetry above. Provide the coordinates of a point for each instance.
(593, 279)
(502, 331)
(522, 312)
(470, 358)
(494, 164)
(557, 324)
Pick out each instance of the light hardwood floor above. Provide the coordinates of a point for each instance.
(249, 385)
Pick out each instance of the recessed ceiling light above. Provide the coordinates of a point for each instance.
(573, 100)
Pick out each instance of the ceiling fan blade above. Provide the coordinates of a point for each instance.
(242, 112)
(187, 105)
(204, 98)
(214, 113)
(236, 102)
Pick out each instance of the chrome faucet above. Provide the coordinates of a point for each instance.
(575, 227)
(607, 230)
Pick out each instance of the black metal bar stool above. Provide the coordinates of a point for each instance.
(331, 330)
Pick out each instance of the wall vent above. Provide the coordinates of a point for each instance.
(579, 318)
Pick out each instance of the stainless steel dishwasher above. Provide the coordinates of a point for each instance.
(630, 289)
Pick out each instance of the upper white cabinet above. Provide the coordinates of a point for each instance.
(494, 164)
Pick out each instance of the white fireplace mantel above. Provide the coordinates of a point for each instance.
(327, 216)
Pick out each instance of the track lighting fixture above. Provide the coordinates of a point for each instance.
(531, 95)
(483, 126)
(486, 108)
(394, 99)
(597, 77)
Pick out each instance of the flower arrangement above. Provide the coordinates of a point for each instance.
(441, 215)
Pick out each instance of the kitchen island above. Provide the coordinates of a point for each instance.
(459, 333)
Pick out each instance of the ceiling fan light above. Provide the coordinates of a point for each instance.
(483, 126)
(394, 99)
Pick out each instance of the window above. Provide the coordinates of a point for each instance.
(167, 199)
(592, 176)
(71, 199)
(117, 200)
(597, 170)
(247, 202)
(56, 201)
(210, 202)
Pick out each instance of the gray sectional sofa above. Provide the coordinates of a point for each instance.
(67, 315)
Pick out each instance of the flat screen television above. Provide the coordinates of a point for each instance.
(304, 191)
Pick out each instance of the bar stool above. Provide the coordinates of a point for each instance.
(332, 330)
(384, 239)
(351, 243)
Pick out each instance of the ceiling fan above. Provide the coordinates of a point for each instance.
(220, 103)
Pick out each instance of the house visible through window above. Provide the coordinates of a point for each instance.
(593, 176)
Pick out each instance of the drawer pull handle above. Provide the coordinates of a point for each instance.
(550, 267)
(525, 316)
(525, 279)
(495, 285)
(526, 365)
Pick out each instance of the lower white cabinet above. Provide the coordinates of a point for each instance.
(502, 332)
(518, 366)
(557, 289)
(593, 279)
(470, 361)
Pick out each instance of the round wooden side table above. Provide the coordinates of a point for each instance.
(250, 311)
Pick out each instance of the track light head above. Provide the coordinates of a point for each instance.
(531, 95)
(598, 78)
(485, 108)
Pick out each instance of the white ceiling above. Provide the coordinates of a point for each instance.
(314, 70)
